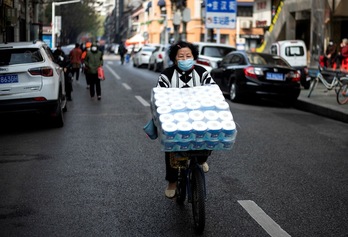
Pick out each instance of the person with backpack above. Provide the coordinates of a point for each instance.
(75, 60)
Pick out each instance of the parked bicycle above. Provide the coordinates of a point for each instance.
(342, 93)
(335, 83)
(191, 182)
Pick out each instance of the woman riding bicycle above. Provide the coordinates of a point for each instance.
(183, 73)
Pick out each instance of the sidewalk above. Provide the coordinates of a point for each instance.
(322, 102)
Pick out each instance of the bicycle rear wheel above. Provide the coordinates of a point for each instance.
(342, 93)
(198, 199)
(313, 84)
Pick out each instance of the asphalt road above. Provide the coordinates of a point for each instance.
(100, 175)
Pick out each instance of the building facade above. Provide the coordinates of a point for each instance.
(19, 20)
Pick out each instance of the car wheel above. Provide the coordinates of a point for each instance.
(160, 67)
(306, 84)
(155, 67)
(149, 66)
(234, 92)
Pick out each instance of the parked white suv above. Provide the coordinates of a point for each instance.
(211, 53)
(31, 81)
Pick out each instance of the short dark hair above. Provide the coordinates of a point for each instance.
(174, 48)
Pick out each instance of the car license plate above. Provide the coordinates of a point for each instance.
(274, 76)
(9, 78)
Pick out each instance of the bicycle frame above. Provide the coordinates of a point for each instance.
(336, 81)
(191, 183)
(329, 86)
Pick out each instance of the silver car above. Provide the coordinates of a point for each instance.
(31, 81)
(210, 53)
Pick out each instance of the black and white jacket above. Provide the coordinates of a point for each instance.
(174, 77)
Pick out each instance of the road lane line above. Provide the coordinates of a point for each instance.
(266, 222)
(109, 62)
(142, 101)
(113, 73)
(125, 85)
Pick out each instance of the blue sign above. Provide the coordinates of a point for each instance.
(48, 40)
(220, 14)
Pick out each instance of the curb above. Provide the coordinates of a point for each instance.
(321, 110)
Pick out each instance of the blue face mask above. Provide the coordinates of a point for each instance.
(186, 65)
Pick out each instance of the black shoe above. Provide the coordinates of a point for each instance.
(99, 97)
(69, 99)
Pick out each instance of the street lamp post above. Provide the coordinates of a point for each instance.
(54, 4)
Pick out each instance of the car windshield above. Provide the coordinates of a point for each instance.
(294, 51)
(20, 56)
(267, 59)
(215, 52)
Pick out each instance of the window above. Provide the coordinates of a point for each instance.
(274, 50)
(294, 51)
(237, 60)
(20, 56)
(216, 52)
(227, 59)
(245, 11)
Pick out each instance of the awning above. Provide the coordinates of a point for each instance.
(136, 39)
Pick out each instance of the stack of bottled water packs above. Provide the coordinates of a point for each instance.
(196, 118)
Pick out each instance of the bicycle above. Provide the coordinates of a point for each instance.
(191, 183)
(342, 93)
(335, 83)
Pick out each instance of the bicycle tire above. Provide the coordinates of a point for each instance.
(181, 188)
(342, 93)
(198, 199)
(313, 84)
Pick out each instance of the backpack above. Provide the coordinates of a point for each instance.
(122, 49)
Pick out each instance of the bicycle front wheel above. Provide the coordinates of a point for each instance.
(313, 84)
(181, 188)
(198, 199)
(342, 93)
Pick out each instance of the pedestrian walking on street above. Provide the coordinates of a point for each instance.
(93, 60)
(75, 60)
(83, 57)
(122, 50)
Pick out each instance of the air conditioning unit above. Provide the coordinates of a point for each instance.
(245, 24)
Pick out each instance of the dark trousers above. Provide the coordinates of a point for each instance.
(68, 84)
(77, 71)
(94, 83)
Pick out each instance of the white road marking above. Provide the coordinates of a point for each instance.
(266, 222)
(113, 73)
(125, 85)
(109, 62)
(142, 101)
